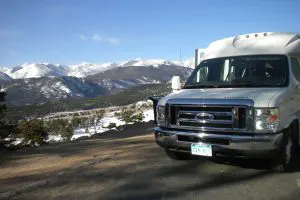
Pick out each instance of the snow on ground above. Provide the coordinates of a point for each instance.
(78, 133)
(17, 141)
(54, 138)
(149, 115)
(100, 127)
(105, 121)
(140, 103)
(13, 141)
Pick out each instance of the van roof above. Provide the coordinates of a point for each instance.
(255, 44)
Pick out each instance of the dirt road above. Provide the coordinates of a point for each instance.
(129, 165)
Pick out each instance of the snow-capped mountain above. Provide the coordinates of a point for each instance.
(43, 89)
(36, 70)
(40, 90)
(41, 82)
(141, 62)
(4, 77)
(156, 62)
(126, 77)
(85, 69)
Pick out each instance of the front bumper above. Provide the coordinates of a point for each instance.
(229, 144)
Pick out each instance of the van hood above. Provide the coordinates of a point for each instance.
(260, 96)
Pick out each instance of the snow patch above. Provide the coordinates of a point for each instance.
(110, 118)
(62, 87)
(13, 141)
(149, 115)
(54, 138)
(58, 89)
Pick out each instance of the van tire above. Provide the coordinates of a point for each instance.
(287, 159)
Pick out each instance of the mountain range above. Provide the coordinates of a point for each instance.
(37, 70)
(38, 83)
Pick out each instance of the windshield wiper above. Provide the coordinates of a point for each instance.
(253, 83)
(201, 85)
(233, 83)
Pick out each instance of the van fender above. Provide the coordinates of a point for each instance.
(290, 120)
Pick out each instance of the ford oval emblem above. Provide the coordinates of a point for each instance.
(204, 116)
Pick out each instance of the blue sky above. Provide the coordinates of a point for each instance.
(70, 32)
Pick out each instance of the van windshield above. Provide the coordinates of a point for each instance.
(241, 71)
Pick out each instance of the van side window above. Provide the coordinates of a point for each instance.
(296, 68)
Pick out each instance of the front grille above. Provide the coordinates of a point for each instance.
(208, 117)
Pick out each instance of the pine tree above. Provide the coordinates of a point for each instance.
(2, 114)
(126, 115)
(33, 132)
(98, 118)
(62, 127)
(76, 122)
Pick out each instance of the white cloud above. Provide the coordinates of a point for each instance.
(97, 38)
(101, 39)
(112, 40)
(83, 37)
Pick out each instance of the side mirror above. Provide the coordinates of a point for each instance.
(155, 101)
(176, 85)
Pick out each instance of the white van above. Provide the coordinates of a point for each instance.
(242, 100)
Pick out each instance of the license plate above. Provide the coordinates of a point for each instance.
(201, 149)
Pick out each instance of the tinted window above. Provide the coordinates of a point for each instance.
(295, 68)
(241, 71)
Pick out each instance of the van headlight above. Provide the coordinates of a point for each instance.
(266, 119)
(161, 118)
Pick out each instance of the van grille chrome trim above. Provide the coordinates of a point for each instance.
(211, 112)
(204, 121)
(229, 115)
(208, 117)
(205, 117)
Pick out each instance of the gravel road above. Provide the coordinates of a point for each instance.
(129, 165)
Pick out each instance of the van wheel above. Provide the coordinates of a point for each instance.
(286, 161)
(174, 155)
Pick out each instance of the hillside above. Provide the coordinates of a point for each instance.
(124, 97)
(125, 77)
(41, 90)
